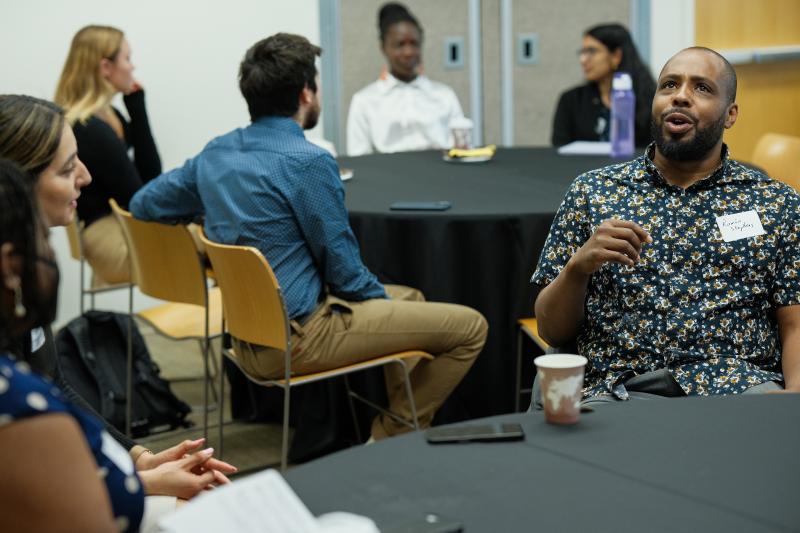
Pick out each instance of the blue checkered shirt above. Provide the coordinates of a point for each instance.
(266, 186)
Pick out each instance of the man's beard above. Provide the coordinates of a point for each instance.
(311, 119)
(697, 148)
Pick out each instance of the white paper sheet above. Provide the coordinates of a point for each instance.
(585, 148)
(261, 503)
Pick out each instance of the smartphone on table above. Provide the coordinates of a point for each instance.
(474, 433)
(438, 205)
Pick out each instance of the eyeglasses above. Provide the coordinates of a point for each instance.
(589, 51)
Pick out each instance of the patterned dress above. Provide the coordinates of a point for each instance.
(696, 304)
(24, 394)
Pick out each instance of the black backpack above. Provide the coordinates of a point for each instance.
(92, 353)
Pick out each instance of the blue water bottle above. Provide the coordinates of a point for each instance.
(623, 112)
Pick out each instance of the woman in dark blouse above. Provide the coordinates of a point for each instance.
(583, 112)
(97, 68)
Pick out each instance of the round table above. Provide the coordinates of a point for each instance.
(481, 252)
(701, 464)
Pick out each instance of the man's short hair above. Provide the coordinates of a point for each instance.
(274, 72)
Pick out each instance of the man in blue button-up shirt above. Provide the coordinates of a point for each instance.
(266, 186)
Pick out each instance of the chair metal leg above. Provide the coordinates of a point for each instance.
(221, 375)
(212, 372)
(129, 370)
(414, 423)
(285, 436)
(206, 379)
(410, 394)
(518, 383)
(212, 357)
(221, 401)
(352, 408)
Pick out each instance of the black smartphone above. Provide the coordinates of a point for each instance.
(474, 433)
(439, 205)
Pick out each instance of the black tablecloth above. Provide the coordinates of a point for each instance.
(690, 464)
(481, 252)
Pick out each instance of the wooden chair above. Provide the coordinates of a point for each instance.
(165, 264)
(779, 156)
(529, 327)
(76, 252)
(255, 314)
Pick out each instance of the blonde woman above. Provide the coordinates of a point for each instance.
(97, 68)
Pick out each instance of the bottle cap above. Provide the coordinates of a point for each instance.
(622, 82)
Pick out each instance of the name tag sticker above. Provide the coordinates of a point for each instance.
(740, 226)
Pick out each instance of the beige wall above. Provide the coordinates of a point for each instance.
(560, 26)
(490, 34)
(186, 55)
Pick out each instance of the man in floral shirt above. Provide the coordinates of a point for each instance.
(677, 272)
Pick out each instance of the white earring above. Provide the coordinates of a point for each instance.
(19, 307)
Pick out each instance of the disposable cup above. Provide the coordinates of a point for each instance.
(561, 383)
(461, 129)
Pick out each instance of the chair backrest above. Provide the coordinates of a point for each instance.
(164, 259)
(251, 296)
(74, 238)
(779, 156)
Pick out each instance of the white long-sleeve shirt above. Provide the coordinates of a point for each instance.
(389, 115)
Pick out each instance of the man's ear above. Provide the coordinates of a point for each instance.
(306, 95)
(10, 266)
(731, 115)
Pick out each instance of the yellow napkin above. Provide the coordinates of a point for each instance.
(485, 151)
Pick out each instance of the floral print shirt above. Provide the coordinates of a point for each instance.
(695, 304)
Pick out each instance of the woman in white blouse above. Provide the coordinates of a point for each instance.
(402, 111)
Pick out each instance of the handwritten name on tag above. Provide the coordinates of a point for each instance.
(740, 226)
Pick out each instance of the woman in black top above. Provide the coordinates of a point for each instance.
(583, 113)
(97, 68)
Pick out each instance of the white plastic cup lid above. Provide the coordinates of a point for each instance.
(460, 123)
(560, 360)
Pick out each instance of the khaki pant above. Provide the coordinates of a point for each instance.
(106, 252)
(339, 333)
